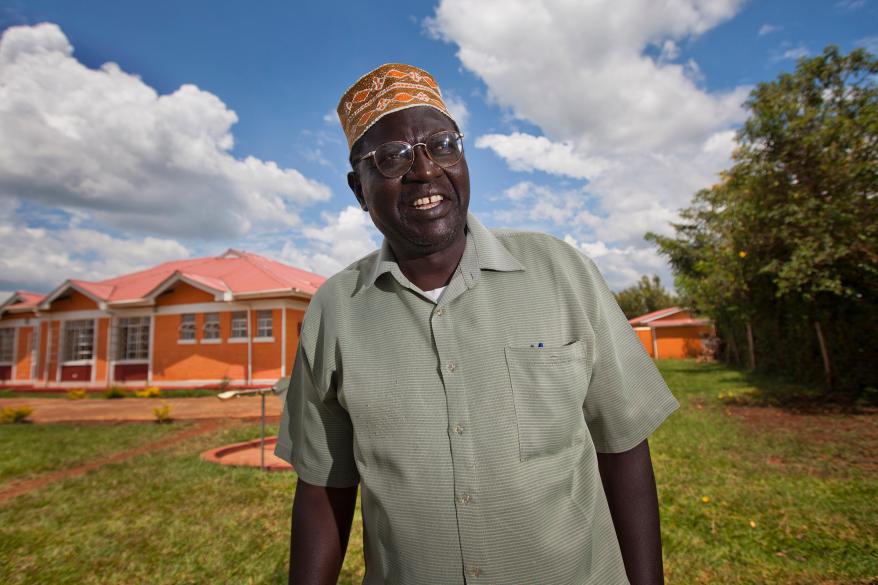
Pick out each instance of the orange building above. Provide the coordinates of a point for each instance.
(671, 333)
(232, 319)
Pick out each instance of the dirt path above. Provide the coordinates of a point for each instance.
(53, 410)
(28, 485)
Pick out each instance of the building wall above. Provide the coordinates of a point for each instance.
(72, 301)
(100, 358)
(679, 342)
(294, 321)
(645, 336)
(24, 353)
(201, 360)
(183, 294)
(266, 354)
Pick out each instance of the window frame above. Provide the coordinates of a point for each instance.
(235, 319)
(130, 326)
(10, 331)
(75, 333)
(211, 329)
(261, 318)
(187, 325)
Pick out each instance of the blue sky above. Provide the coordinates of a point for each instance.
(134, 133)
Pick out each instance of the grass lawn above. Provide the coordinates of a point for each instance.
(29, 450)
(782, 506)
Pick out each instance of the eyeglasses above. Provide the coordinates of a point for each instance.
(394, 159)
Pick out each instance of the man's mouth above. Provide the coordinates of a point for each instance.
(427, 202)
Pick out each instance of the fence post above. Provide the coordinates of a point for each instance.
(826, 365)
(750, 348)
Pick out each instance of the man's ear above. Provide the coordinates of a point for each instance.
(357, 188)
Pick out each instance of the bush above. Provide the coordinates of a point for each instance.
(76, 394)
(162, 413)
(10, 414)
(115, 392)
(151, 392)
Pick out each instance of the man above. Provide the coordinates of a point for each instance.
(481, 387)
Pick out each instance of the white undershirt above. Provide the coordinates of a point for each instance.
(435, 293)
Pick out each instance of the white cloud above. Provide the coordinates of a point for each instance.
(457, 108)
(767, 29)
(621, 266)
(103, 140)
(868, 43)
(525, 152)
(598, 79)
(40, 259)
(792, 54)
(344, 237)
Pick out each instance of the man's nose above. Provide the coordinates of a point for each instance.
(423, 166)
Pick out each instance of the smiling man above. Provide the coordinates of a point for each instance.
(481, 387)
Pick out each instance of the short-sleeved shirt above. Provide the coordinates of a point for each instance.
(472, 423)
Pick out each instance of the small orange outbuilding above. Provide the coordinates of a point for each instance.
(230, 319)
(671, 333)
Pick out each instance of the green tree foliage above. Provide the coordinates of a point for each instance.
(644, 297)
(789, 237)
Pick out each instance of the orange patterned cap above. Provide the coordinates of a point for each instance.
(391, 87)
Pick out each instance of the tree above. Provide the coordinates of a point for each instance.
(787, 242)
(644, 297)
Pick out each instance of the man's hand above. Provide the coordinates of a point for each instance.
(321, 526)
(630, 487)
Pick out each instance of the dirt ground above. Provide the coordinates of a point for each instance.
(54, 410)
(841, 440)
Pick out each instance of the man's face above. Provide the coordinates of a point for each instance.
(412, 230)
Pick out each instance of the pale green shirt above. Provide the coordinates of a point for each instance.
(472, 424)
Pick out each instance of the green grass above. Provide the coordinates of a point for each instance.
(29, 450)
(168, 517)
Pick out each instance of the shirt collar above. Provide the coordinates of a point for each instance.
(483, 252)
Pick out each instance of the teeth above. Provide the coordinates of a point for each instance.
(428, 200)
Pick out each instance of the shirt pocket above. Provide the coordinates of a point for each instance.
(549, 385)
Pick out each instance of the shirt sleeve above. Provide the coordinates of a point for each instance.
(315, 434)
(627, 397)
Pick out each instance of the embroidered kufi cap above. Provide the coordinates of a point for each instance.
(390, 87)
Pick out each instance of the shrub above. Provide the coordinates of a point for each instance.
(151, 392)
(76, 394)
(225, 383)
(115, 392)
(162, 413)
(10, 414)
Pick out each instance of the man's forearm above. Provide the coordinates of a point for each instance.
(629, 484)
(321, 525)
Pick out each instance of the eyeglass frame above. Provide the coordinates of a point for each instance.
(458, 135)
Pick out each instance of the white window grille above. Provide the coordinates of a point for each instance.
(239, 325)
(79, 339)
(264, 324)
(187, 327)
(7, 341)
(132, 340)
(211, 327)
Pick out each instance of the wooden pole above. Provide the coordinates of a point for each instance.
(826, 365)
(750, 348)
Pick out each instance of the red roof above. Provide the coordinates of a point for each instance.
(660, 319)
(22, 300)
(234, 274)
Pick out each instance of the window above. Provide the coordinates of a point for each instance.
(7, 339)
(264, 324)
(187, 327)
(239, 325)
(132, 338)
(211, 328)
(78, 340)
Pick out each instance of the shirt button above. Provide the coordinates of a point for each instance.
(451, 366)
(440, 311)
(465, 499)
(475, 571)
(457, 429)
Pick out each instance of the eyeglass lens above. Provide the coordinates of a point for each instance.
(394, 159)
